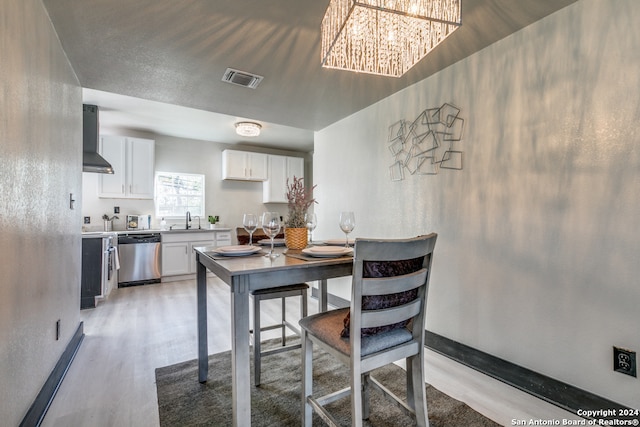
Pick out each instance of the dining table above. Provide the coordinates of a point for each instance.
(245, 274)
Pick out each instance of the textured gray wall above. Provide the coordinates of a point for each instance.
(40, 165)
(537, 255)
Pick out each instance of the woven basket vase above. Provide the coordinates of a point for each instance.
(295, 238)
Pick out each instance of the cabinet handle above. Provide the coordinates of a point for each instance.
(250, 172)
(122, 188)
(130, 188)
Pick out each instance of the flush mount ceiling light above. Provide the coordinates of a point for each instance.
(248, 129)
(385, 37)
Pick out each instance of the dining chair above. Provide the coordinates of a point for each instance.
(384, 323)
(278, 292)
(242, 236)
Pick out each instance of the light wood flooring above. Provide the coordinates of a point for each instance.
(136, 330)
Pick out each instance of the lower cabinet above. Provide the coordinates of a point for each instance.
(175, 258)
(178, 257)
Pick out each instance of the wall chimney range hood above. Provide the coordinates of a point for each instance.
(91, 160)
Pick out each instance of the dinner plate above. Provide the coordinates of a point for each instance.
(339, 242)
(238, 250)
(267, 242)
(327, 251)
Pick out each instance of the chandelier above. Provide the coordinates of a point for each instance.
(385, 37)
(248, 129)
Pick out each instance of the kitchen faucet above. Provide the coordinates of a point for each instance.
(188, 220)
(199, 227)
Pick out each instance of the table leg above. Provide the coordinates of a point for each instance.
(322, 295)
(240, 369)
(203, 352)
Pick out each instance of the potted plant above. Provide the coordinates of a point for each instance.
(213, 220)
(299, 201)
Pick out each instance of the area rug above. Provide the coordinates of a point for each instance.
(183, 401)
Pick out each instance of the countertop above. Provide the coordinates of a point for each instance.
(101, 234)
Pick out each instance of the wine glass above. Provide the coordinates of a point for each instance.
(347, 224)
(312, 221)
(271, 227)
(250, 223)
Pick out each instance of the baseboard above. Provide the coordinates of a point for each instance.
(41, 404)
(563, 395)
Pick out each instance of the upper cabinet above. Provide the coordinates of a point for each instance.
(245, 166)
(133, 164)
(281, 169)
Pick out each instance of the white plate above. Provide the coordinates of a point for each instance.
(327, 251)
(267, 242)
(238, 250)
(339, 242)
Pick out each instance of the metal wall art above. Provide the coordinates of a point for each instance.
(427, 144)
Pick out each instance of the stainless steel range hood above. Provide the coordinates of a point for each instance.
(91, 160)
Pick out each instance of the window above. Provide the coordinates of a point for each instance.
(177, 193)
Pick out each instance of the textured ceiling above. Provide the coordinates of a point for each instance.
(175, 52)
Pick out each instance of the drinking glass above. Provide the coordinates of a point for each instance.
(271, 227)
(347, 224)
(311, 221)
(250, 223)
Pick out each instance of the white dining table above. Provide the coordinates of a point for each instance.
(244, 274)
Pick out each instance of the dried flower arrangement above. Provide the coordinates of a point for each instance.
(299, 200)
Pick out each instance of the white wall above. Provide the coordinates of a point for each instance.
(227, 199)
(40, 165)
(536, 260)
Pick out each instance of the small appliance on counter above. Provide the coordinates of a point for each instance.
(138, 222)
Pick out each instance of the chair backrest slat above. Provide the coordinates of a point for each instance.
(392, 285)
(390, 316)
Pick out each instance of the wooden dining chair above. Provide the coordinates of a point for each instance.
(384, 323)
(278, 292)
(281, 292)
(242, 236)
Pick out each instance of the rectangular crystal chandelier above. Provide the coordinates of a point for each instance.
(385, 37)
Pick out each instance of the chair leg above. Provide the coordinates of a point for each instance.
(283, 307)
(365, 396)
(415, 376)
(410, 395)
(303, 305)
(356, 400)
(307, 379)
(256, 342)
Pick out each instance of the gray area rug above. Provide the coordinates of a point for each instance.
(183, 401)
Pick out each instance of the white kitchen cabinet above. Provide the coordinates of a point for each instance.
(175, 259)
(133, 164)
(281, 168)
(223, 237)
(244, 165)
(178, 257)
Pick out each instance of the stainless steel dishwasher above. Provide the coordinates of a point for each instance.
(140, 259)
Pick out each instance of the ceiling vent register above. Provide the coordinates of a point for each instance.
(241, 78)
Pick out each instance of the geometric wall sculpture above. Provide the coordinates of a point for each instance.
(429, 143)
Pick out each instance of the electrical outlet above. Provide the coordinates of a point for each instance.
(116, 209)
(624, 361)
(87, 220)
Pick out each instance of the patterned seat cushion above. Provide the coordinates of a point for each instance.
(385, 269)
